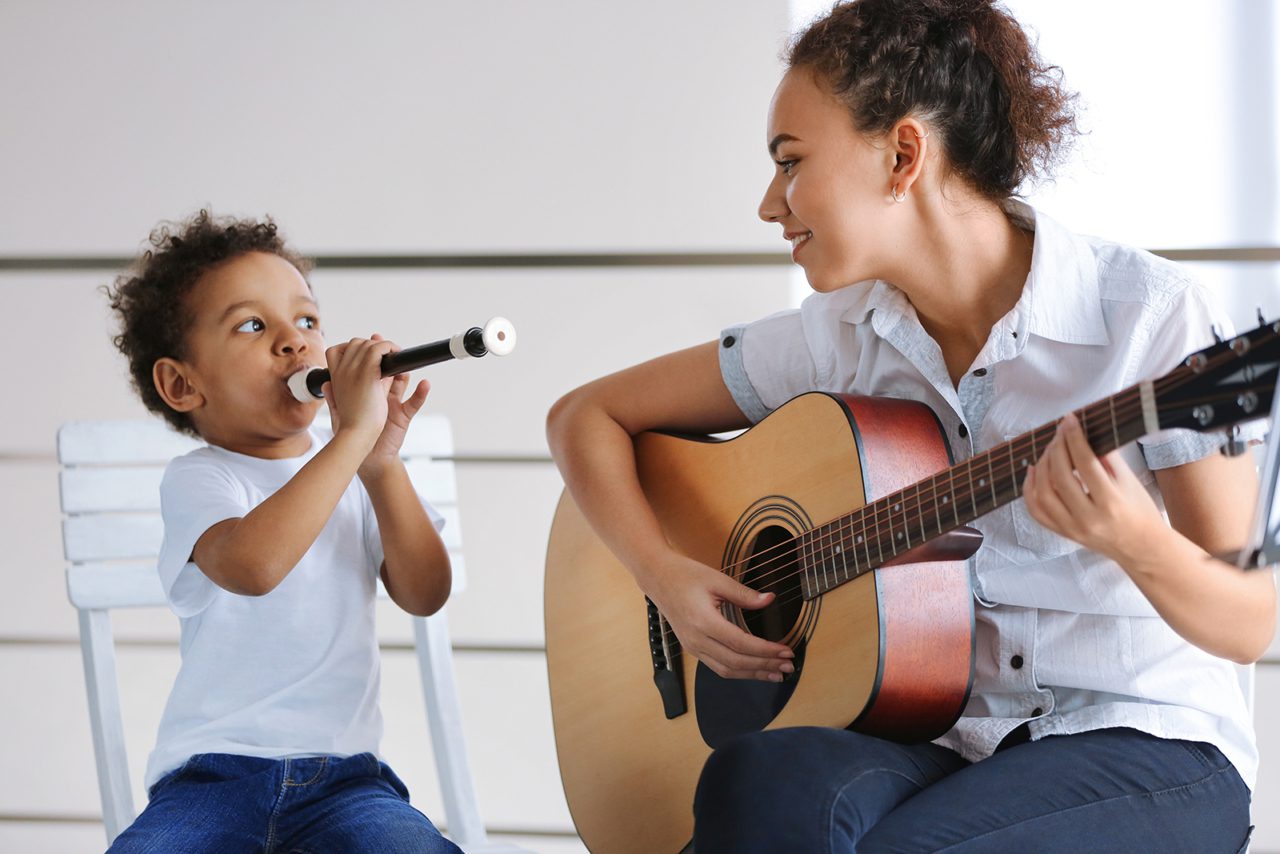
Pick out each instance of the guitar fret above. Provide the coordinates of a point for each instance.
(992, 477)
(1115, 432)
(920, 514)
(866, 544)
(1013, 470)
(831, 556)
(937, 508)
(906, 523)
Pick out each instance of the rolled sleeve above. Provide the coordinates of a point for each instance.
(735, 376)
(766, 363)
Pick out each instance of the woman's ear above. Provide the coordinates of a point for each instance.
(909, 142)
(173, 382)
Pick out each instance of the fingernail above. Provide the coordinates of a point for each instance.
(787, 667)
(775, 677)
(786, 653)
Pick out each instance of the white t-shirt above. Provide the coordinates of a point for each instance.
(291, 673)
(1064, 639)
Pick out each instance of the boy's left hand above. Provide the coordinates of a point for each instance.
(400, 411)
(1098, 502)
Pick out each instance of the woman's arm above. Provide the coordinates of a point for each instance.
(590, 432)
(1221, 609)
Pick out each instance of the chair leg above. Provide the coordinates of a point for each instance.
(98, 651)
(444, 717)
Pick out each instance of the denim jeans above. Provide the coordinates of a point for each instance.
(811, 791)
(228, 804)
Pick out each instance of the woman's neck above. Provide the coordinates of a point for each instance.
(963, 270)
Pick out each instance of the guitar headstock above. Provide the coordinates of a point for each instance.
(1227, 383)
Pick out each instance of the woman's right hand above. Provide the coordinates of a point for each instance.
(691, 596)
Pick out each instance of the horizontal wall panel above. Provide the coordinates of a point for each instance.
(397, 126)
(573, 326)
(512, 754)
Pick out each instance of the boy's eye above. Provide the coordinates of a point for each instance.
(308, 322)
(253, 324)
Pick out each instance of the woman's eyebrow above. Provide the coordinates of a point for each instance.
(778, 140)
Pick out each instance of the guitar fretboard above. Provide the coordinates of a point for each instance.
(875, 534)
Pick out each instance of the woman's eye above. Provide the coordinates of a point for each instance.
(786, 166)
(308, 322)
(253, 324)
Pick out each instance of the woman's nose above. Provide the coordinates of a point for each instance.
(773, 206)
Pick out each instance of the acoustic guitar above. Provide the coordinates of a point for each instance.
(848, 508)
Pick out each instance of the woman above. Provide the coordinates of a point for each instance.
(1104, 712)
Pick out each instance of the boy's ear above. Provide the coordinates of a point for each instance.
(171, 380)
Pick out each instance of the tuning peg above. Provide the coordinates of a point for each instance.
(1235, 446)
(1262, 321)
(1217, 336)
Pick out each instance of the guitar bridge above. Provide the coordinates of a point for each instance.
(664, 647)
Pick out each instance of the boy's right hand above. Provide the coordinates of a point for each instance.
(690, 595)
(357, 391)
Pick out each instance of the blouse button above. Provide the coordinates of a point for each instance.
(981, 372)
(1016, 662)
(1037, 712)
(729, 340)
(963, 431)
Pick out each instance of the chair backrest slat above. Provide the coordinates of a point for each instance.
(110, 483)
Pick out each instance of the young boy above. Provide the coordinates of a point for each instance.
(274, 536)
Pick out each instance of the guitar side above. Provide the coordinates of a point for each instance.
(891, 649)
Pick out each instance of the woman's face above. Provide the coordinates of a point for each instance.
(831, 184)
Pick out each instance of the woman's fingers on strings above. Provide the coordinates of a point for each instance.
(1093, 476)
(738, 665)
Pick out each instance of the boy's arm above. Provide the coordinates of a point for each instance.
(416, 570)
(253, 554)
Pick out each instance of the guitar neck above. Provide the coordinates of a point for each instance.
(878, 532)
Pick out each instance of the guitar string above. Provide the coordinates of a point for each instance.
(997, 472)
(789, 548)
(1119, 415)
(883, 557)
(919, 504)
(1123, 412)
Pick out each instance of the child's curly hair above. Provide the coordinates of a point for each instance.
(151, 297)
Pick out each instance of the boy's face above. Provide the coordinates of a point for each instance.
(255, 323)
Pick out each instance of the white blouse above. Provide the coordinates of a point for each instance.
(1064, 639)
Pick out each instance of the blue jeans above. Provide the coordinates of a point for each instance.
(815, 790)
(222, 803)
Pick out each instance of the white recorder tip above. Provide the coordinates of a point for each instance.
(499, 336)
(298, 385)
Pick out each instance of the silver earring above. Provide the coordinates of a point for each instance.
(893, 192)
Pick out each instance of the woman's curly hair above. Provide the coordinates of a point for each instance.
(150, 299)
(965, 67)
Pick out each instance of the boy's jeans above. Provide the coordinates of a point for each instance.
(218, 802)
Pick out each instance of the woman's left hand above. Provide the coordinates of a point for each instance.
(1098, 502)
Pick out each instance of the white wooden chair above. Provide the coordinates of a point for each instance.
(110, 478)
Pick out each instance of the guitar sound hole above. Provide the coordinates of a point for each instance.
(774, 567)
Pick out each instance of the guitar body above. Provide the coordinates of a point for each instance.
(889, 652)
